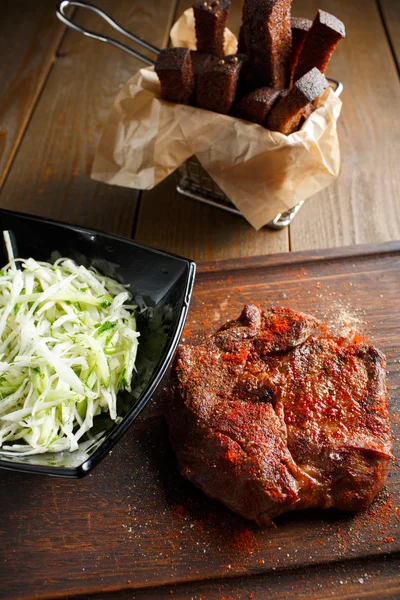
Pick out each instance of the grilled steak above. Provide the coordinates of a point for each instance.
(272, 414)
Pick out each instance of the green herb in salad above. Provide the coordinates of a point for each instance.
(68, 344)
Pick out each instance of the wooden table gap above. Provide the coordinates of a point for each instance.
(385, 25)
(24, 97)
(390, 15)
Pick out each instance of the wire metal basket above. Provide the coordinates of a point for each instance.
(193, 181)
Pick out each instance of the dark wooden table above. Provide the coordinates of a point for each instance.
(56, 90)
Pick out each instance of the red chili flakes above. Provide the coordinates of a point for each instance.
(237, 357)
(243, 542)
(302, 274)
(279, 325)
(230, 456)
(359, 339)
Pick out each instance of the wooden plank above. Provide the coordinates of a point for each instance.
(356, 579)
(136, 523)
(390, 10)
(183, 226)
(29, 37)
(50, 175)
(363, 204)
(177, 224)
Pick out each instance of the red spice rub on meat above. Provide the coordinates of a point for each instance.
(255, 106)
(210, 22)
(285, 117)
(268, 38)
(325, 34)
(217, 85)
(174, 70)
(272, 414)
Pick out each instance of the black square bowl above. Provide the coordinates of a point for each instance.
(161, 285)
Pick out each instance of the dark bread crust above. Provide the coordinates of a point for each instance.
(268, 39)
(174, 70)
(272, 414)
(306, 112)
(242, 47)
(217, 85)
(300, 24)
(285, 117)
(325, 34)
(300, 28)
(255, 106)
(200, 61)
(210, 21)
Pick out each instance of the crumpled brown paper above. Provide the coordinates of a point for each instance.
(262, 172)
(183, 35)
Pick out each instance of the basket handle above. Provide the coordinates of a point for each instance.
(64, 4)
(60, 11)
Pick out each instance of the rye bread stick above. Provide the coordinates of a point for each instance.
(268, 39)
(174, 70)
(285, 117)
(217, 85)
(255, 106)
(300, 28)
(325, 34)
(210, 22)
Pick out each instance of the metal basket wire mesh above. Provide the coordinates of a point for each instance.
(194, 182)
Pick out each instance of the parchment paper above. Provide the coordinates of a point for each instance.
(262, 172)
(183, 34)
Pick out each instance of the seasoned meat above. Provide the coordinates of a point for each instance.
(273, 414)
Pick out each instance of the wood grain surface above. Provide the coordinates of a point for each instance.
(50, 175)
(200, 232)
(363, 205)
(391, 15)
(350, 580)
(27, 50)
(134, 528)
(136, 523)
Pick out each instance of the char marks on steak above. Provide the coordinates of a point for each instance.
(272, 414)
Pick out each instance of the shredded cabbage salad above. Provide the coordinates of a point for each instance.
(68, 344)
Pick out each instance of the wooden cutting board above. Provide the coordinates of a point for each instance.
(136, 523)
